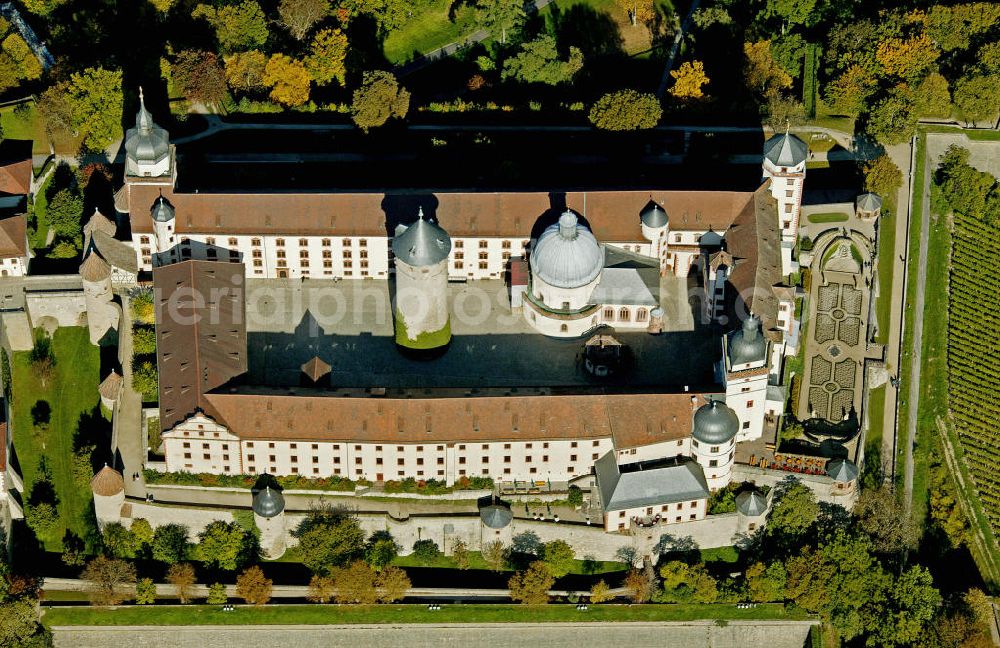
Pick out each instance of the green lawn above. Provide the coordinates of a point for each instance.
(41, 221)
(876, 421)
(26, 124)
(720, 554)
(399, 614)
(825, 118)
(476, 562)
(980, 135)
(428, 30)
(886, 260)
(828, 217)
(72, 395)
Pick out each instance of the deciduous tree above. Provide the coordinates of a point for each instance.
(63, 214)
(954, 26)
(327, 53)
(637, 10)
(558, 556)
(94, 101)
(501, 17)
(793, 512)
(237, 27)
(216, 594)
(538, 61)
(380, 550)
(532, 585)
(392, 584)
(460, 553)
(299, 16)
(356, 584)
(688, 80)
(225, 545)
(288, 79)
(109, 580)
(379, 98)
(118, 540)
(245, 70)
(170, 543)
(181, 576)
(18, 622)
(766, 583)
(639, 585)
(848, 93)
(906, 58)
(145, 592)
(683, 583)
(145, 379)
(978, 97)
(600, 592)
(199, 77)
(321, 589)
(893, 119)
(883, 177)
(790, 12)
(328, 538)
(933, 98)
(495, 555)
(762, 73)
(253, 586)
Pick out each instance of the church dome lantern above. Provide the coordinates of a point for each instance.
(715, 423)
(567, 255)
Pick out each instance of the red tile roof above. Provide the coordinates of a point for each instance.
(612, 215)
(13, 237)
(200, 332)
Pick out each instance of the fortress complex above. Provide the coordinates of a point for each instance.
(603, 379)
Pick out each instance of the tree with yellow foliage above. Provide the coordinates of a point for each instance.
(688, 80)
(288, 79)
(762, 72)
(906, 59)
(245, 70)
(638, 10)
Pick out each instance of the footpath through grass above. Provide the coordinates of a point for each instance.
(193, 615)
(72, 394)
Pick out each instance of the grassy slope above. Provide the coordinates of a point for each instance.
(72, 392)
(427, 31)
(329, 614)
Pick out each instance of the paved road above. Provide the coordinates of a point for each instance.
(690, 634)
(903, 156)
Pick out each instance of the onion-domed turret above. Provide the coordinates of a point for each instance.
(147, 146)
(421, 244)
(567, 255)
(268, 503)
(715, 423)
(747, 344)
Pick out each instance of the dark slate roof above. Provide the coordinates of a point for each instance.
(868, 202)
(842, 470)
(421, 244)
(146, 142)
(652, 215)
(715, 422)
(747, 344)
(786, 150)
(496, 516)
(162, 211)
(751, 503)
(647, 483)
(268, 503)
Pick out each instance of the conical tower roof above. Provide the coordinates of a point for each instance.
(315, 368)
(751, 503)
(496, 516)
(162, 211)
(98, 222)
(842, 470)
(94, 268)
(421, 244)
(107, 482)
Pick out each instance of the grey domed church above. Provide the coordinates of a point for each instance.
(574, 264)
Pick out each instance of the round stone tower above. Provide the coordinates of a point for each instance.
(162, 213)
(713, 441)
(102, 315)
(109, 495)
(751, 508)
(655, 226)
(269, 516)
(421, 252)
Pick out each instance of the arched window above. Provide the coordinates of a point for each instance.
(640, 315)
(609, 314)
(623, 315)
(563, 328)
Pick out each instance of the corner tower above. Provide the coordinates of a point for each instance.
(421, 257)
(785, 165)
(714, 442)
